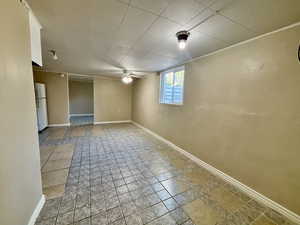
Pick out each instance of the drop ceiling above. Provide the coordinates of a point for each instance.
(102, 37)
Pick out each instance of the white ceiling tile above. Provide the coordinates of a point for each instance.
(162, 32)
(66, 14)
(225, 30)
(117, 53)
(134, 25)
(182, 11)
(137, 53)
(201, 17)
(155, 6)
(201, 44)
(164, 27)
(222, 5)
(261, 15)
(168, 47)
(112, 16)
(150, 62)
(146, 43)
(207, 2)
(99, 35)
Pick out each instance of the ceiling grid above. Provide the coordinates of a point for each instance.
(99, 37)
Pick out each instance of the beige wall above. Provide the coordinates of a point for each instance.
(20, 177)
(81, 94)
(57, 96)
(241, 114)
(112, 100)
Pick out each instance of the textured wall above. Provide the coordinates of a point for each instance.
(57, 96)
(20, 177)
(81, 96)
(112, 100)
(240, 114)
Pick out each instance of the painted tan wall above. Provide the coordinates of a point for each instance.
(240, 114)
(81, 96)
(112, 100)
(57, 96)
(20, 177)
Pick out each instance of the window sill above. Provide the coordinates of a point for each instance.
(171, 104)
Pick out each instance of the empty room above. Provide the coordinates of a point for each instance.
(150, 112)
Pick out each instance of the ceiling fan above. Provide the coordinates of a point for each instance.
(128, 76)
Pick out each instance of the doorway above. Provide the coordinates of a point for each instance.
(81, 100)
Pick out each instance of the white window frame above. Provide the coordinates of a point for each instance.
(174, 70)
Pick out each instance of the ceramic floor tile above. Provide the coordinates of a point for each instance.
(100, 218)
(45, 152)
(263, 220)
(274, 216)
(56, 133)
(54, 178)
(120, 175)
(201, 213)
(171, 204)
(50, 221)
(52, 165)
(62, 154)
(174, 186)
(65, 219)
(97, 131)
(179, 216)
(77, 132)
(54, 191)
(66, 205)
(86, 221)
(164, 220)
(226, 199)
(134, 219)
(82, 213)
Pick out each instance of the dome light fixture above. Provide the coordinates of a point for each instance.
(54, 55)
(182, 37)
(127, 79)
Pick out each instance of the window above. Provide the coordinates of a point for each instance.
(171, 86)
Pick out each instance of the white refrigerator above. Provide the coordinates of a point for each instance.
(41, 106)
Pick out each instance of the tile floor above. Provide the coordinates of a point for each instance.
(55, 164)
(81, 120)
(120, 175)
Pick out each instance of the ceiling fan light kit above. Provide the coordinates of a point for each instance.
(127, 79)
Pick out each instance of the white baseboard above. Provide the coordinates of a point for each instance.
(109, 122)
(37, 210)
(74, 115)
(59, 125)
(244, 188)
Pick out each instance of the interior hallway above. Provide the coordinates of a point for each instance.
(121, 175)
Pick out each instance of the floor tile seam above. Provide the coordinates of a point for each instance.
(75, 205)
(55, 170)
(272, 220)
(257, 218)
(52, 151)
(159, 216)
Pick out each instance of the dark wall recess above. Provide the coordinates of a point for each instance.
(299, 53)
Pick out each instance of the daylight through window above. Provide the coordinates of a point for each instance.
(171, 86)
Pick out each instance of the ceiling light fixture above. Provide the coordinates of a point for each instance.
(127, 79)
(183, 35)
(54, 55)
